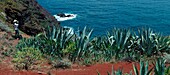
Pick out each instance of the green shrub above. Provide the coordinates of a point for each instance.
(26, 57)
(167, 70)
(70, 48)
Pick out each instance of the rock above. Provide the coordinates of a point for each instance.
(61, 14)
(128, 59)
(31, 16)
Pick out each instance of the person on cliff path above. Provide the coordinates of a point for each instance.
(16, 24)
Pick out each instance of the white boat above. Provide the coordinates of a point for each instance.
(65, 16)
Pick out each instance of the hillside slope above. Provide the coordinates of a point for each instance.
(32, 17)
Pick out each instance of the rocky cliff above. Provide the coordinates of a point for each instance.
(31, 16)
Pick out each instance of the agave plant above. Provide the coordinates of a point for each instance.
(119, 41)
(99, 43)
(143, 69)
(83, 47)
(152, 43)
(99, 49)
(60, 37)
(163, 44)
(118, 72)
(160, 67)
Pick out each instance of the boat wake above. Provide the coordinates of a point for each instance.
(65, 16)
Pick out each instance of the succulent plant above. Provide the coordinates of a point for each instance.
(118, 72)
(152, 43)
(118, 41)
(143, 69)
(160, 67)
(83, 46)
(58, 39)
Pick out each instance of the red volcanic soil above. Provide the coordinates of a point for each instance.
(75, 70)
(101, 68)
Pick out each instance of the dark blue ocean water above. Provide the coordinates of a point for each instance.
(103, 15)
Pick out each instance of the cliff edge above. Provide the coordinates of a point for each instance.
(32, 17)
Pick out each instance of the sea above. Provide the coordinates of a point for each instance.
(104, 15)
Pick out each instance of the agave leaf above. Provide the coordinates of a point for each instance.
(82, 44)
(146, 67)
(135, 70)
(160, 67)
(126, 38)
(119, 39)
(142, 69)
(108, 73)
(119, 72)
(98, 73)
(113, 72)
(89, 35)
(53, 32)
(149, 72)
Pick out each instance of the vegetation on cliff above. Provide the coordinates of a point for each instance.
(119, 44)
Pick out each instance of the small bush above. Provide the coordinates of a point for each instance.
(26, 57)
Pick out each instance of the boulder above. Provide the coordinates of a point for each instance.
(61, 14)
